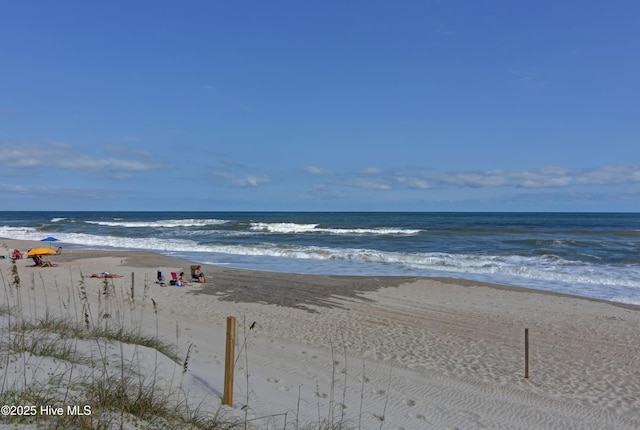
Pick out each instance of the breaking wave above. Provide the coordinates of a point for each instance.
(169, 223)
(293, 228)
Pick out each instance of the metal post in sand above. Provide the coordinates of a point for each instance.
(526, 353)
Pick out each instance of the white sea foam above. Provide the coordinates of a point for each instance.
(597, 281)
(283, 227)
(161, 223)
(292, 228)
(20, 233)
(627, 300)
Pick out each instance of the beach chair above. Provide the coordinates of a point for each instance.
(197, 275)
(174, 278)
(40, 262)
(160, 279)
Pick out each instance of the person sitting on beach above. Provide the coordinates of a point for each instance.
(182, 280)
(41, 262)
(59, 250)
(16, 255)
(199, 275)
(105, 275)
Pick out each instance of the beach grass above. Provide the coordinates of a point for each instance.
(86, 366)
(83, 361)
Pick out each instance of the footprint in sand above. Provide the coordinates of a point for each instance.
(409, 402)
(273, 380)
(321, 395)
(283, 389)
(381, 392)
(306, 353)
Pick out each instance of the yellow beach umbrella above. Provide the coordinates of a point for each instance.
(41, 251)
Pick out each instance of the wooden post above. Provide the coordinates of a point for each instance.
(526, 353)
(227, 398)
(133, 277)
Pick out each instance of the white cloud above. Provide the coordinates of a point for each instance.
(368, 184)
(253, 181)
(610, 175)
(52, 155)
(546, 177)
(370, 171)
(317, 171)
(420, 184)
(244, 181)
(539, 178)
(64, 192)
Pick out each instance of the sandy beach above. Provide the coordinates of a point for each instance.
(372, 352)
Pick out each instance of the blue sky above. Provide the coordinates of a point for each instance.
(320, 105)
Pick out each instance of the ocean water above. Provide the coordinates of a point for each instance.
(588, 254)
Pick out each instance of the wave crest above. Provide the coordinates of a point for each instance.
(293, 228)
(168, 223)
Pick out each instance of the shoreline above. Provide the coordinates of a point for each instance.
(234, 279)
(443, 351)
